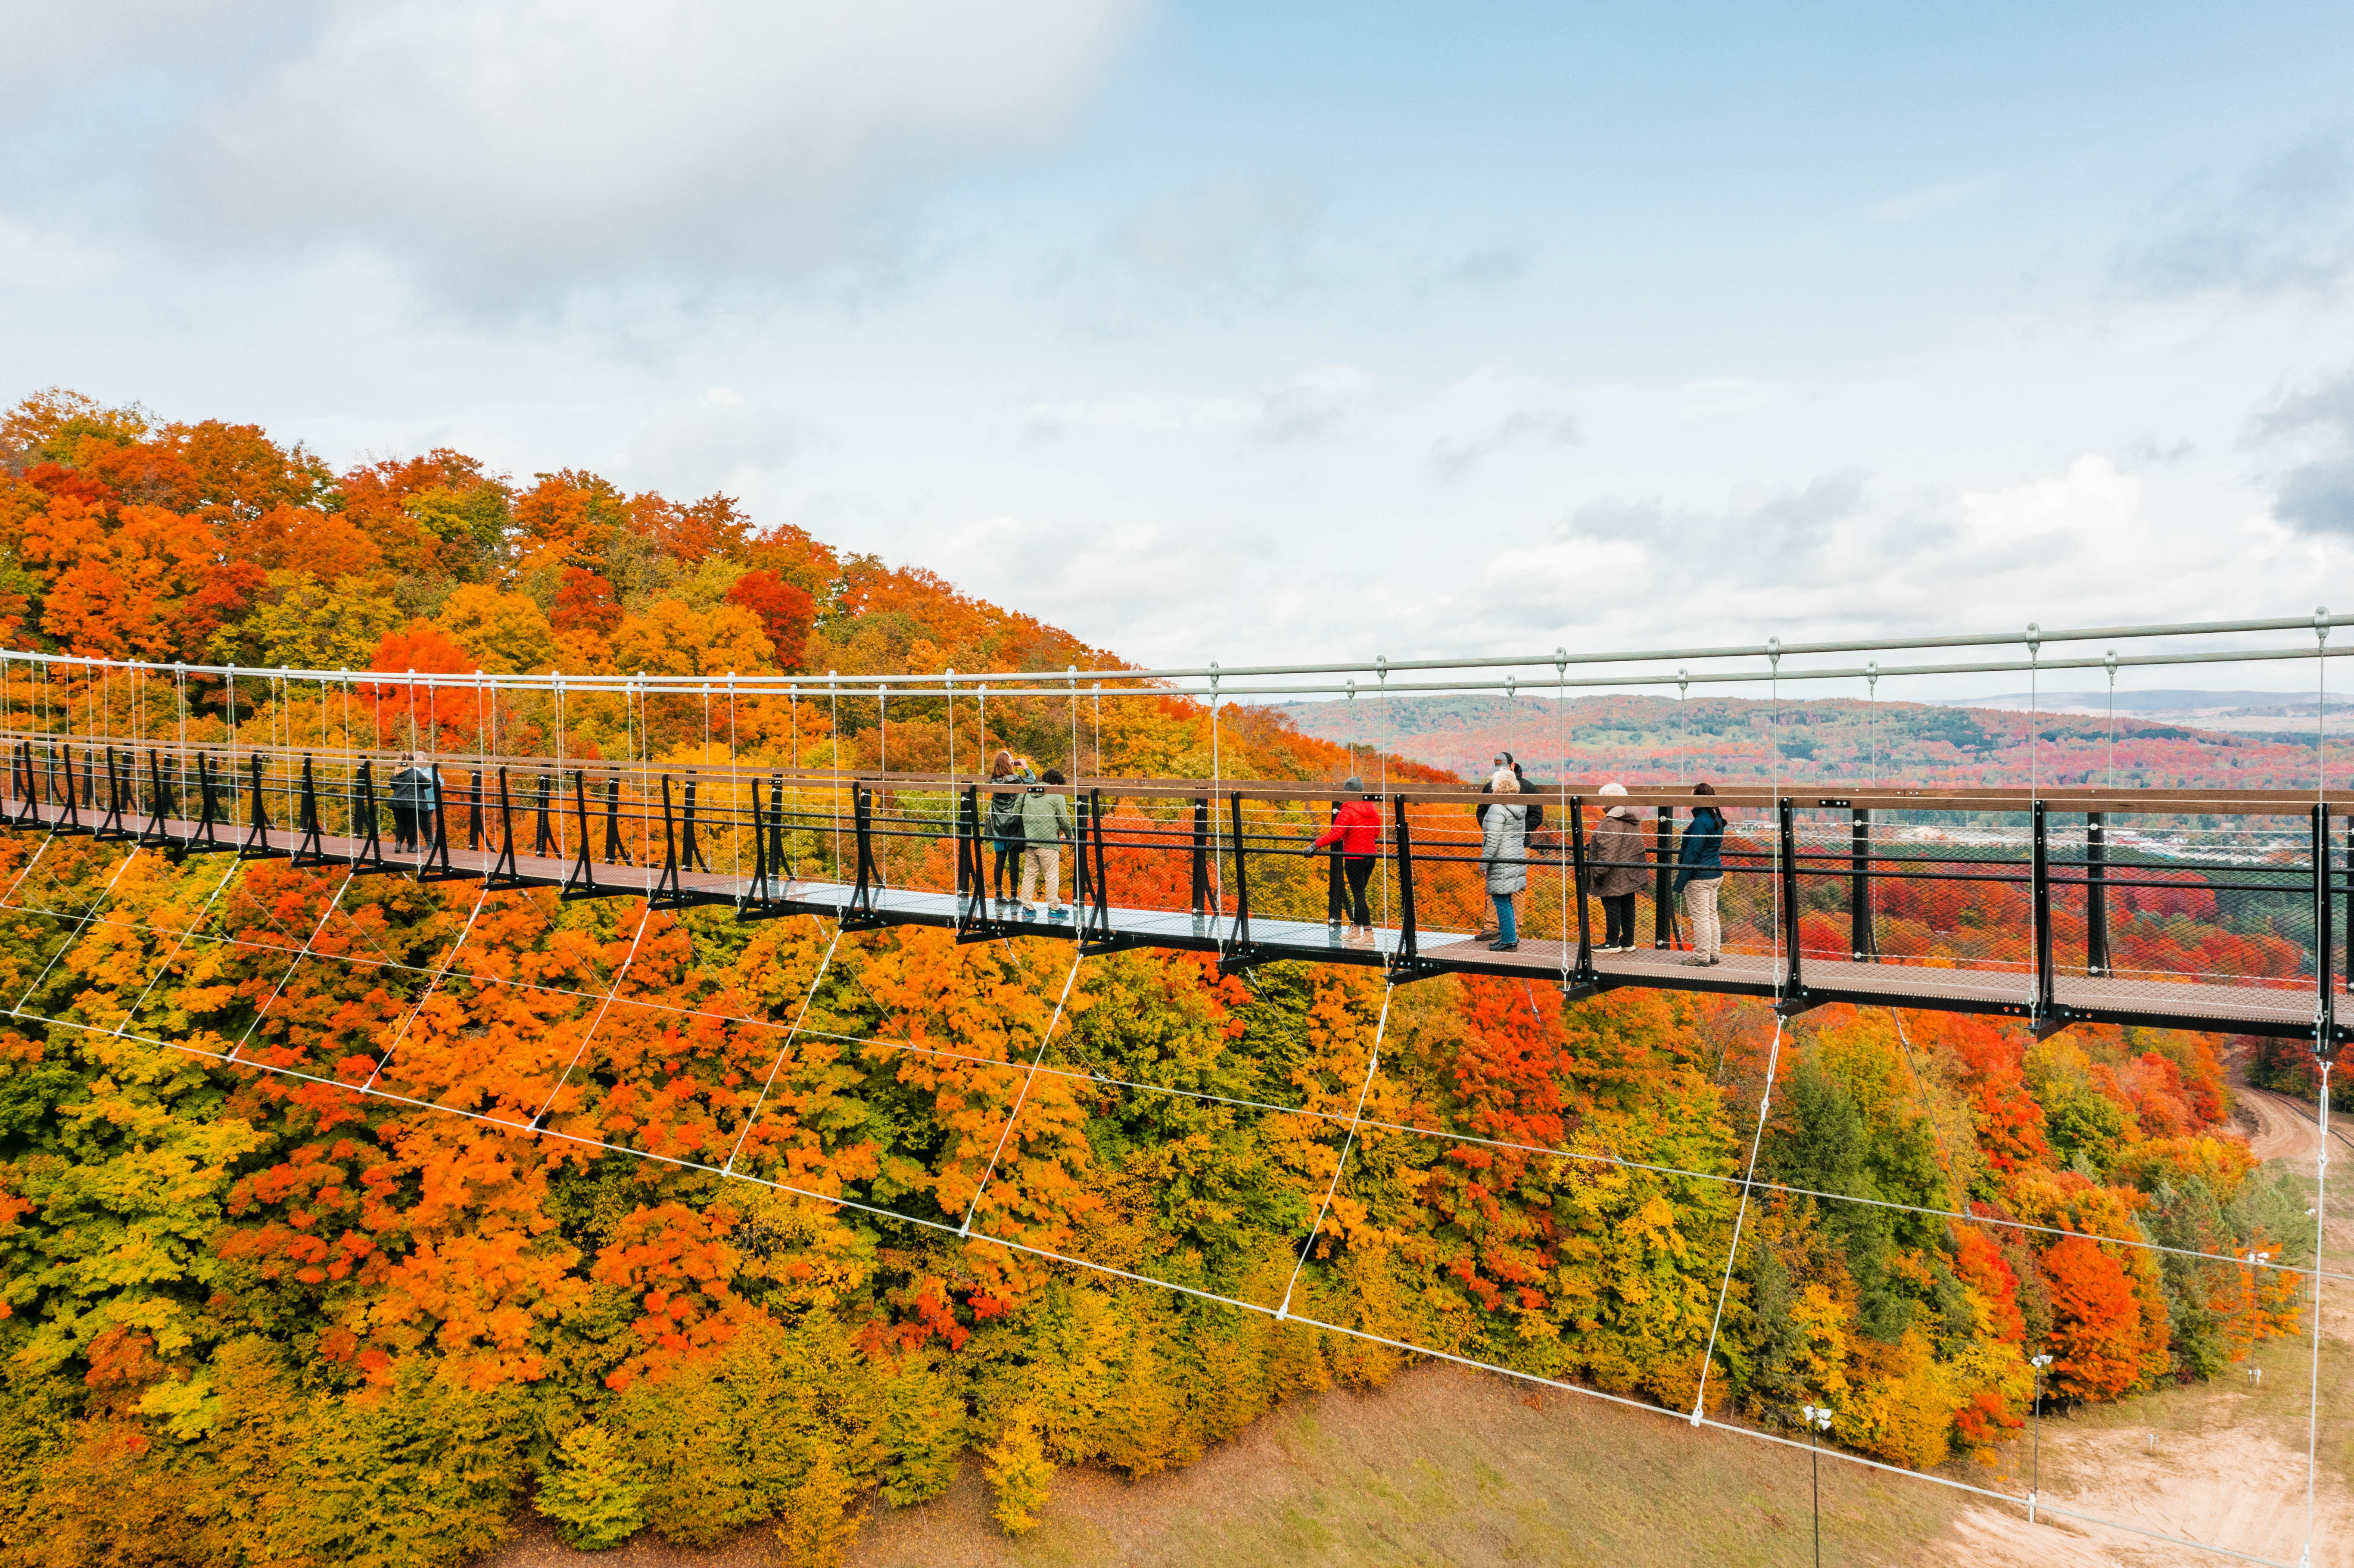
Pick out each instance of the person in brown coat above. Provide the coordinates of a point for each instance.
(1620, 871)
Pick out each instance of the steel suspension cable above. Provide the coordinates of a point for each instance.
(1341, 1165)
(1045, 1036)
(1732, 1253)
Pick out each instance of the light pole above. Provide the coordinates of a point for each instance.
(2035, 1471)
(1818, 1419)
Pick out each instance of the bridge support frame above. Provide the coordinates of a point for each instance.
(2324, 940)
(1791, 997)
(1407, 963)
(1243, 953)
(113, 825)
(1581, 970)
(861, 913)
(257, 846)
(2096, 894)
(1863, 941)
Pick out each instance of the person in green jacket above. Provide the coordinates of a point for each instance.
(1046, 823)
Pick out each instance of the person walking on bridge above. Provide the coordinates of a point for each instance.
(1046, 823)
(1007, 778)
(1356, 832)
(1504, 854)
(413, 804)
(1699, 865)
(1620, 871)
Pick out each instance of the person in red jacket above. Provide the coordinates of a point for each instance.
(1357, 830)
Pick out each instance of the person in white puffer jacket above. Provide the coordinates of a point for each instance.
(1503, 856)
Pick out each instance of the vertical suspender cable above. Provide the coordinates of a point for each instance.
(1748, 1178)
(1562, 809)
(1340, 1166)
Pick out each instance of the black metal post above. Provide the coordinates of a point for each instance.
(2096, 894)
(862, 897)
(691, 851)
(1863, 941)
(1408, 954)
(369, 851)
(616, 851)
(1242, 880)
(1335, 902)
(257, 838)
(209, 809)
(311, 849)
(165, 806)
(776, 832)
(581, 881)
(112, 825)
(543, 838)
(1103, 929)
(503, 871)
(967, 837)
(1663, 897)
(1792, 979)
(2039, 872)
(2325, 940)
(666, 888)
(438, 857)
(1584, 970)
(1203, 903)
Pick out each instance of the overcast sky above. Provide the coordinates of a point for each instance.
(1254, 333)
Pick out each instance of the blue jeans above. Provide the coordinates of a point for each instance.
(1507, 929)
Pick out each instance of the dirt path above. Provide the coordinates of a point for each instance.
(2283, 1126)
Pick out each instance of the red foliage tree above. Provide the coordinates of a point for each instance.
(786, 613)
(585, 602)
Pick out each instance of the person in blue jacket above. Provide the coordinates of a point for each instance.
(1700, 866)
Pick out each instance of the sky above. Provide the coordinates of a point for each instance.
(1252, 334)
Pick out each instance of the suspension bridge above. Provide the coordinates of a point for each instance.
(2043, 903)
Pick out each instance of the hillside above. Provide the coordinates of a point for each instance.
(659, 1222)
(1826, 740)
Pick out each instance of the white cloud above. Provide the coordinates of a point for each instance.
(1311, 405)
(508, 151)
(1221, 249)
(2283, 225)
(1932, 199)
(712, 442)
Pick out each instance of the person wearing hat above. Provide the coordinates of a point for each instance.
(1619, 871)
(1503, 856)
(1356, 830)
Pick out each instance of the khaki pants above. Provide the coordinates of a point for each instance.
(1707, 930)
(1045, 863)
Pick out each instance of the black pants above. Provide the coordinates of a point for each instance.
(1359, 870)
(1619, 920)
(1008, 866)
(404, 827)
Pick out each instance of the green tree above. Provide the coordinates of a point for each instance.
(593, 1495)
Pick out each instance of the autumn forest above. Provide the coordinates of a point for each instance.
(249, 1316)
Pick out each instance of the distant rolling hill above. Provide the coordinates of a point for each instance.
(1833, 740)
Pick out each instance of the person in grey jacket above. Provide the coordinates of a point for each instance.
(1619, 871)
(414, 798)
(1046, 823)
(1503, 856)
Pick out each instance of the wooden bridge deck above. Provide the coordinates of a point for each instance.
(2283, 1008)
